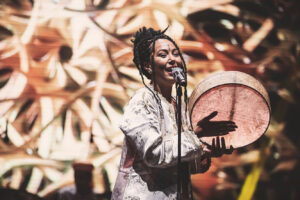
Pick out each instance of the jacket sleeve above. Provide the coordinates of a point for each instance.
(141, 125)
(200, 165)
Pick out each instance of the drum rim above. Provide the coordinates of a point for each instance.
(267, 101)
(191, 98)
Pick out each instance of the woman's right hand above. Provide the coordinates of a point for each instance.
(205, 127)
(218, 148)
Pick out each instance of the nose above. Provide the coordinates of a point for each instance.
(172, 61)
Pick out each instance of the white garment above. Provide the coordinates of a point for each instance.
(148, 163)
(69, 193)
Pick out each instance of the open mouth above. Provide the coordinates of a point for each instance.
(169, 69)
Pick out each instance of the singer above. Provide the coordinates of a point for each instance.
(149, 157)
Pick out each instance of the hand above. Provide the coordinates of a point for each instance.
(217, 149)
(205, 127)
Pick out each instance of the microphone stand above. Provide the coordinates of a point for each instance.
(179, 122)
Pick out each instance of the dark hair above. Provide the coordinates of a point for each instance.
(144, 45)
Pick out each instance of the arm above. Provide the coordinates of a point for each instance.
(205, 127)
(217, 149)
(142, 127)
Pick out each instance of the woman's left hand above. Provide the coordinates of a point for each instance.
(217, 149)
(208, 128)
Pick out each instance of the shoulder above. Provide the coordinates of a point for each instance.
(140, 109)
(143, 93)
(142, 102)
(142, 97)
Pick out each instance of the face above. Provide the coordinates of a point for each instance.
(166, 57)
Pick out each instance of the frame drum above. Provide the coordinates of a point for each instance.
(237, 97)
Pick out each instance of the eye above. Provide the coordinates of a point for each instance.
(162, 55)
(176, 53)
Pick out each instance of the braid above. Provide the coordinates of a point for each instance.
(137, 62)
(185, 73)
(184, 70)
(153, 71)
(142, 41)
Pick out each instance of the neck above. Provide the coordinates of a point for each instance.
(166, 91)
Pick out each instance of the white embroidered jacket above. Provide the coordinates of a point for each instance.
(148, 162)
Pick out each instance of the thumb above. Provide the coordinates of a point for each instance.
(212, 115)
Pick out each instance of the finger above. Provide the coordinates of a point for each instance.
(220, 133)
(235, 126)
(212, 115)
(231, 126)
(209, 146)
(221, 127)
(230, 129)
(224, 123)
(218, 143)
(230, 150)
(225, 129)
(223, 144)
(213, 148)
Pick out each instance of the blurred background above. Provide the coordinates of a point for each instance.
(66, 72)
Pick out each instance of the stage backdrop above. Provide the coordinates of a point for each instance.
(66, 73)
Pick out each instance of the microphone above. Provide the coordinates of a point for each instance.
(179, 76)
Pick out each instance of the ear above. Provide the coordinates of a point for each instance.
(148, 68)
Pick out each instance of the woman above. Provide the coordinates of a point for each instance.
(148, 164)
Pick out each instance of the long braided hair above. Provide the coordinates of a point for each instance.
(144, 46)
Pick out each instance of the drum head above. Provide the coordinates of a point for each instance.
(237, 97)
